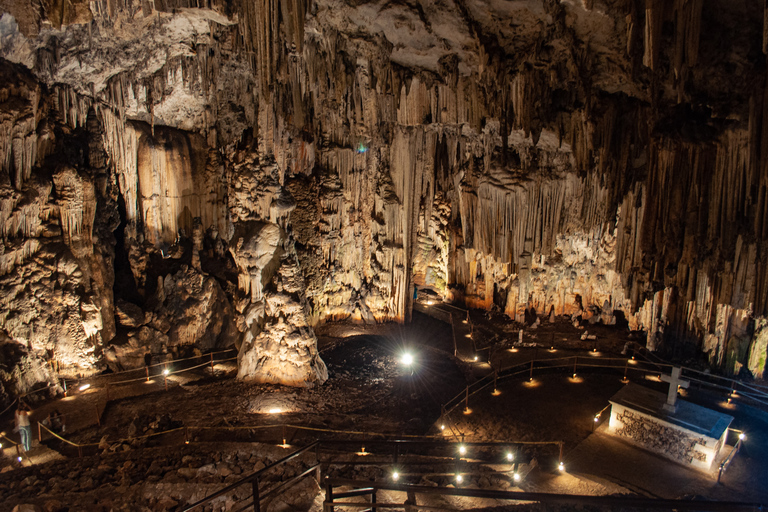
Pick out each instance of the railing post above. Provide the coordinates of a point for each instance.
(575, 358)
(65, 386)
(328, 503)
(147, 370)
(626, 365)
(530, 377)
(39, 433)
(719, 473)
(98, 418)
(256, 501)
(212, 370)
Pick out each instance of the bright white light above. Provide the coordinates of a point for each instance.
(429, 303)
(462, 449)
(459, 478)
(166, 371)
(516, 476)
(561, 466)
(395, 475)
(442, 427)
(275, 410)
(510, 456)
(19, 459)
(742, 436)
(475, 358)
(597, 418)
(84, 387)
(407, 359)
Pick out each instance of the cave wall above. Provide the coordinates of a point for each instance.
(308, 162)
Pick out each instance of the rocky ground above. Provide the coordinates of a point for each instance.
(234, 428)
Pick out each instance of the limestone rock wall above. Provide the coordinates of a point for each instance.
(587, 158)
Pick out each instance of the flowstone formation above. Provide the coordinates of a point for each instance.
(317, 160)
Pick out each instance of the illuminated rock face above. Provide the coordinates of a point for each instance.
(318, 163)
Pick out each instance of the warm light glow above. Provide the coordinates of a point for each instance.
(459, 478)
(362, 452)
(462, 449)
(561, 466)
(516, 476)
(496, 392)
(510, 456)
(166, 371)
(395, 475)
(407, 359)
(275, 410)
(150, 381)
(429, 303)
(469, 335)
(442, 427)
(475, 358)
(742, 436)
(186, 442)
(513, 349)
(84, 387)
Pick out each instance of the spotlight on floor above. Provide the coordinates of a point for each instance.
(84, 387)
(561, 466)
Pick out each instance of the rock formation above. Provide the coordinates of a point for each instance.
(300, 162)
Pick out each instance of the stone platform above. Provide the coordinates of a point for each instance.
(691, 435)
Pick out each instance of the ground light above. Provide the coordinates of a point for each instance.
(561, 466)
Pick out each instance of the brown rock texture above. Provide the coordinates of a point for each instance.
(316, 161)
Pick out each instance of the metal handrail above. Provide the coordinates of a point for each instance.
(602, 501)
(250, 479)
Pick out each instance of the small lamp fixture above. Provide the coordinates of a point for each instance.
(561, 466)
(742, 436)
(407, 359)
(510, 456)
(459, 478)
(442, 427)
(166, 371)
(395, 476)
(462, 449)
(516, 477)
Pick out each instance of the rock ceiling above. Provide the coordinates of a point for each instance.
(179, 174)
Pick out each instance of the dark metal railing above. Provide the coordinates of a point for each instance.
(257, 495)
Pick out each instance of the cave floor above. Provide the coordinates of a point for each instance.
(370, 390)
